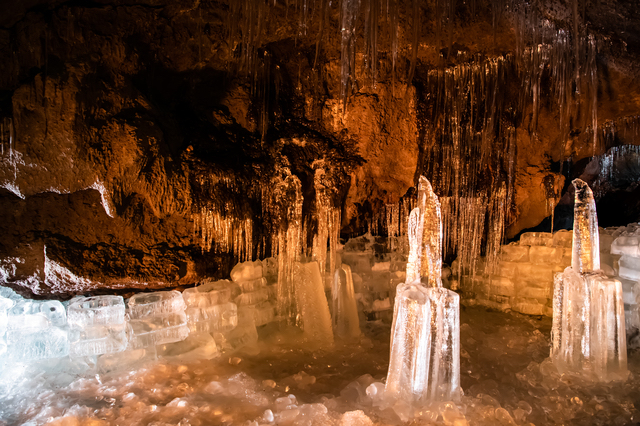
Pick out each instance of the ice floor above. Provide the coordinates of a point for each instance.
(504, 376)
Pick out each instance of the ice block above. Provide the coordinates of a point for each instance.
(206, 295)
(223, 317)
(263, 312)
(158, 329)
(608, 337)
(98, 310)
(35, 314)
(142, 305)
(425, 346)
(92, 340)
(246, 271)
(31, 344)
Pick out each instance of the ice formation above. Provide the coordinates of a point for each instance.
(424, 363)
(346, 323)
(588, 334)
(97, 325)
(312, 303)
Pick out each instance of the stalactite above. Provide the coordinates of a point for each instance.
(415, 27)
(348, 17)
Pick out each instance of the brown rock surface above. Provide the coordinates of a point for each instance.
(155, 109)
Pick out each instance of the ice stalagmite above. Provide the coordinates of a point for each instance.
(425, 335)
(586, 239)
(588, 334)
(431, 262)
(345, 311)
(312, 303)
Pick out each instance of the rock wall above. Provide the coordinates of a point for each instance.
(122, 122)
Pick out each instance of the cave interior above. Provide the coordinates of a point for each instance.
(155, 151)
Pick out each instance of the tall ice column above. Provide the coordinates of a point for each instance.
(588, 334)
(425, 335)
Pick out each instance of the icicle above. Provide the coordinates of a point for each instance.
(414, 39)
(323, 204)
(289, 196)
(348, 12)
(334, 237)
(592, 70)
(393, 23)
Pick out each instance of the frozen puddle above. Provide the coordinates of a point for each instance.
(504, 376)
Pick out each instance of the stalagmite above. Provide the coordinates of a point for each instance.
(588, 334)
(424, 363)
(345, 312)
(312, 303)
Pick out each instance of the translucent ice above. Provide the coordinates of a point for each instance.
(92, 340)
(570, 346)
(196, 346)
(158, 329)
(431, 258)
(629, 267)
(626, 245)
(246, 271)
(30, 344)
(410, 340)
(34, 330)
(263, 312)
(588, 333)
(222, 317)
(126, 360)
(206, 295)
(312, 303)
(36, 314)
(608, 337)
(142, 305)
(98, 310)
(414, 230)
(253, 297)
(345, 311)
(425, 333)
(586, 242)
(253, 285)
(425, 347)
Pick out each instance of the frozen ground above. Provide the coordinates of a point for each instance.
(504, 377)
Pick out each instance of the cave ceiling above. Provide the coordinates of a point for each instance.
(130, 127)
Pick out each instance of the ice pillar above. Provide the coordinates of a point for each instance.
(431, 262)
(425, 335)
(312, 303)
(586, 239)
(588, 333)
(345, 311)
